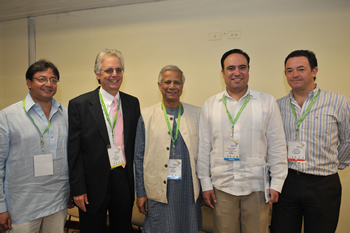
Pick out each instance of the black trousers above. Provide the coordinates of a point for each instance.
(317, 198)
(118, 202)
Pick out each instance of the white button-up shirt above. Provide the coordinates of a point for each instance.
(259, 132)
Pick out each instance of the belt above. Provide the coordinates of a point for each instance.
(301, 174)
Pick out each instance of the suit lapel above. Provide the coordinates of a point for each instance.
(97, 114)
(127, 114)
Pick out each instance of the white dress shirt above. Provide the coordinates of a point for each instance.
(259, 132)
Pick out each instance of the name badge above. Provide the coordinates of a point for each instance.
(116, 158)
(231, 150)
(43, 165)
(174, 169)
(296, 151)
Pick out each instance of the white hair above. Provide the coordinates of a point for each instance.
(170, 67)
(104, 53)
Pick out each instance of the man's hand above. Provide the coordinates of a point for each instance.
(273, 196)
(141, 203)
(5, 221)
(80, 201)
(208, 196)
(70, 203)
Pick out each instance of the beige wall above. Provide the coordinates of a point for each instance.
(176, 32)
(14, 61)
(1, 84)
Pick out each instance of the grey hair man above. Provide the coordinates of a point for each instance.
(102, 128)
(165, 160)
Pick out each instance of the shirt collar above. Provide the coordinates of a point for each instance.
(30, 103)
(314, 91)
(311, 93)
(244, 96)
(108, 98)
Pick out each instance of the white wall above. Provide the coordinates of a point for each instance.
(153, 35)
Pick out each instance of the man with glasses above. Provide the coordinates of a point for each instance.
(102, 128)
(34, 187)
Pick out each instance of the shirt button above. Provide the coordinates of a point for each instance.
(167, 148)
(166, 165)
(164, 182)
(171, 118)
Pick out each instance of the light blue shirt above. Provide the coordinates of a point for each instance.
(24, 196)
(325, 129)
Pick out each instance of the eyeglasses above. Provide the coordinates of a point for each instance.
(111, 70)
(44, 80)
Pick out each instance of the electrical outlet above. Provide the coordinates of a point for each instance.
(234, 35)
(215, 36)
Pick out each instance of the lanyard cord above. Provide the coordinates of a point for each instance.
(169, 127)
(41, 134)
(107, 115)
(298, 122)
(239, 112)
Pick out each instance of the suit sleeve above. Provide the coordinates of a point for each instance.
(138, 112)
(75, 155)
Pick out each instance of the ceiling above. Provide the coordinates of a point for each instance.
(18, 9)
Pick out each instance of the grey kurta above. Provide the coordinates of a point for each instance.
(181, 214)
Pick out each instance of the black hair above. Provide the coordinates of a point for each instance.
(311, 57)
(41, 65)
(231, 52)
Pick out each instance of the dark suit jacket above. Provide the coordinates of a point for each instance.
(88, 160)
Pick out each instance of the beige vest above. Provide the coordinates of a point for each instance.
(157, 147)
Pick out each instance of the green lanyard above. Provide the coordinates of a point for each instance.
(41, 134)
(107, 115)
(169, 127)
(239, 112)
(306, 111)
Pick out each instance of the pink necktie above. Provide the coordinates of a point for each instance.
(119, 128)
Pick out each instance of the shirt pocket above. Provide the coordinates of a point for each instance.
(322, 127)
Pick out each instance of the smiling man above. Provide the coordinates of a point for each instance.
(167, 186)
(240, 131)
(317, 130)
(102, 127)
(34, 187)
